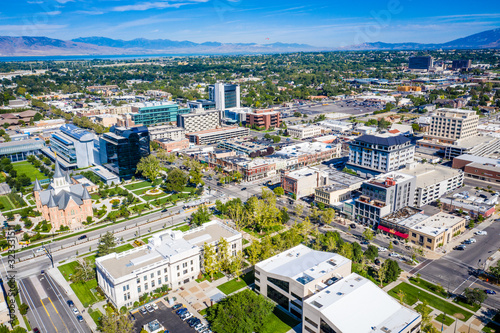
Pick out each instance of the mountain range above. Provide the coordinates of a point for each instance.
(45, 46)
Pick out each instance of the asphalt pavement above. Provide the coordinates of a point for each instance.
(49, 311)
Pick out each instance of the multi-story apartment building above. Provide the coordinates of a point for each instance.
(199, 121)
(376, 154)
(384, 195)
(450, 125)
(122, 148)
(166, 132)
(433, 181)
(264, 118)
(75, 146)
(156, 113)
(216, 135)
(301, 183)
(340, 187)
(171, 258)
(304, 131)
(290, 277)
(355, 304)
(224, 95)
(423, 62)
(201, 104)
(461, 64)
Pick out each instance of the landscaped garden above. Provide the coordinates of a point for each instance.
(29, 170)
(137, 186)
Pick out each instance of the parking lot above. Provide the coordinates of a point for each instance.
(166, 316)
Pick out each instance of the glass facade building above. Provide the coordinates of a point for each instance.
(122, 148)
(149, 114)
(74, 145)
(20, 150)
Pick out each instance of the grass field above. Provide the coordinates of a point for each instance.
(96, 316)
(68, 269)
(217, 276)
(183, 228)
(279, 322)
(137, 186)
(435, 289)
(123, 248)
(84, 292)
(233, 285)
(442, 318)
(28, 169)
(474, 307)
(413, 294)
(7, 204)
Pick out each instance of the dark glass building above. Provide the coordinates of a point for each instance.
(424, 62)
(122, 148)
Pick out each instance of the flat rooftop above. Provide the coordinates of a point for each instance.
(303, 264)
(428, 174)
(348, 305)
(437, 224)
(406, 216)
(302, 173)
(209, 232)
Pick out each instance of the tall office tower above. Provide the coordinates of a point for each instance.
(424, 62)
(224, 95)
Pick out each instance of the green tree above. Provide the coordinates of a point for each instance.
(279, 191)
(149, 167)
(84, 271)
(201, 216)
(328, 215)
(223, 254)
(368, 234)
(107, 244)
(254, 252)
(473, 296)
(236, 265)
(176, 180)
(210, 264)
(371, 252)
(392, 270)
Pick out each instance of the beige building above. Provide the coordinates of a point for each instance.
(170, 258)
(304, 131)
(303, 182)
(436, 231)
(290, 277)
(449, 125)
(354, 304)
(340, 187)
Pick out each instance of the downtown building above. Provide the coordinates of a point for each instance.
(371, 155)
(224, 95)
(199, 121)
(74, 147)
(155, 113)
(171, 258)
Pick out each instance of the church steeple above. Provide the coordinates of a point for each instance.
(59, 182)
(37, 187)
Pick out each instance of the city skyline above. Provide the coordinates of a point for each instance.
(319, 23)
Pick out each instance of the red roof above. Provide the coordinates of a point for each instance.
(394, 131)
(392, 231)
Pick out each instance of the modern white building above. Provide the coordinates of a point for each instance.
(74, 145)
(336, 125)
(449, 125)
(199, 121)
(170, 258)
(224, 95)
(375, 154)
(290, 277)
(304, 131)
(354, 304)
(433, 181)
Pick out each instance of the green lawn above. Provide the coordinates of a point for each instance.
(245, 241)
(217, 276)
(435, 289)
(412, 294)
(136, 186)
(7, 204)
(474, 307)
(279, 322)
(491, 327)
(183, 228)
(84, 292)
(95, 196)
(154, 197)
(233, 285)
(442, 318)
(68, 269)
(123, 248)
(96, 316)
(28, 169)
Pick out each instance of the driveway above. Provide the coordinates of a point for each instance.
(166, 316)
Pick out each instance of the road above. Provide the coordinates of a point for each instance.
(480, 183)
(48, 308)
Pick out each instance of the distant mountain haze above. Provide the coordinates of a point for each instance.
(45, 46)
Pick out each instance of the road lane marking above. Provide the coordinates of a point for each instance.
(461, 284)
(48, 314)
(33, 308)
(59, 315)
(59, 296)
(424, 265)
(53, 305)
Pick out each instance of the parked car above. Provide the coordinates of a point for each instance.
(75, 311)
(377, 261)
(365, 242)
(200, 327)
(243, 188)
(194, 322)
(177, 306)
(490, 292)
(395, 242)
(70, 303)
(460, 247)
(353, 226)
(186, 316)
(394, 254)
(382, 249)
(149, 308)
(82, 237)
(181, 311)
(79, 318)
(36, 330)
(143, 310)
(481, 233)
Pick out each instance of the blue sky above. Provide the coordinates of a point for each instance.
(314, 22)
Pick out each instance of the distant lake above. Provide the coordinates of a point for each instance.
(111, 57)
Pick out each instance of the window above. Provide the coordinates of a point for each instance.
(152, 284)
(138, 280)
(296, 296)
(184, 265)
(178, 274)
(158, 273)
(191, 262)
(256, 287)
(325, 328)
(257, 279)
(152, 275)
(313, 324)
(139, 289)
(185, 271)
(309, 330)
(178, 267)
(166, 278)
(145, 277)
(277, 297)
(296, 304)
(285, 286)
(159, 280)
(125, 288)
(145, 286)
(164, 270)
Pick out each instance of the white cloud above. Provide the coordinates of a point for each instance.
(53, 13)
(35, 2)
(155, 5)
(89, 12)
(30, 29)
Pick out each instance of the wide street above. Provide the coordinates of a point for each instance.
(49, 311)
